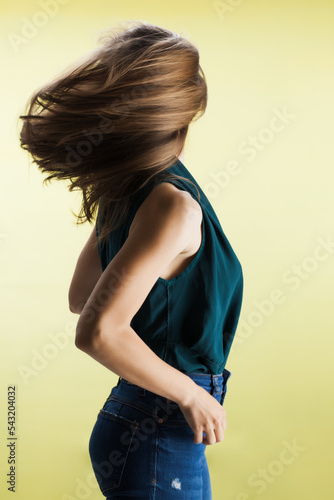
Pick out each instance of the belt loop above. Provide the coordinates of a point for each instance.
(214, 384)
(226, 376)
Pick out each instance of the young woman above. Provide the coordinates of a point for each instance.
(157, 285)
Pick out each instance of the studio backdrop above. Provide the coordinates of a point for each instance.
(263, 154)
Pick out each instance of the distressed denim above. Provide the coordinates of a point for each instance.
(141, 446)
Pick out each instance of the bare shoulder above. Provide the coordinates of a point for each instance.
(171, 213)
(172, 194)
(166, 198)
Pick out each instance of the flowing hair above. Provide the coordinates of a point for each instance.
(117, 118)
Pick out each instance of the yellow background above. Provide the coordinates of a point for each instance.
(260, 58)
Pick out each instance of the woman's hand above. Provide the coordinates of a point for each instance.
(204, 414)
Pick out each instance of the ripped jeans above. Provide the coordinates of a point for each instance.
(141, 446)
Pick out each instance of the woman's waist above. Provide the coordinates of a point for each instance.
(128, 391)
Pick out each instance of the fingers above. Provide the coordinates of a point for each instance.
(211, 421)
(219, 432)
(212, 435)
(198, 437)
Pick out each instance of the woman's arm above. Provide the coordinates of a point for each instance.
(162, 228)
(87, 273)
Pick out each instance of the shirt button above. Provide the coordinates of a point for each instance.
(160, 420)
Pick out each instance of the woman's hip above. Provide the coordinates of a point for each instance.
(142, 441)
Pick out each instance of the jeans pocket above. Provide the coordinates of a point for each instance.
(109, 447)
(112, 406)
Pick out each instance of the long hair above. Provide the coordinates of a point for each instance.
(117, 118)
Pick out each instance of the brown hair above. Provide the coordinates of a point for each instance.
(118, 118)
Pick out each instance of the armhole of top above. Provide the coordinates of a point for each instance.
(192, 264)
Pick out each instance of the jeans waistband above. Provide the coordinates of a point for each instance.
(214, 383)
(209, 379)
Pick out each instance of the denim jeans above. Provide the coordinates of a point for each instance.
(141, 446)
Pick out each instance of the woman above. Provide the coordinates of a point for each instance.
(157, 285)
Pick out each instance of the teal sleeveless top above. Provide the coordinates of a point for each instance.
(189, 321)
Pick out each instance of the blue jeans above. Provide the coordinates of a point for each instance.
(141, 446)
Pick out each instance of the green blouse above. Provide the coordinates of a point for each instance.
(189, 321)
